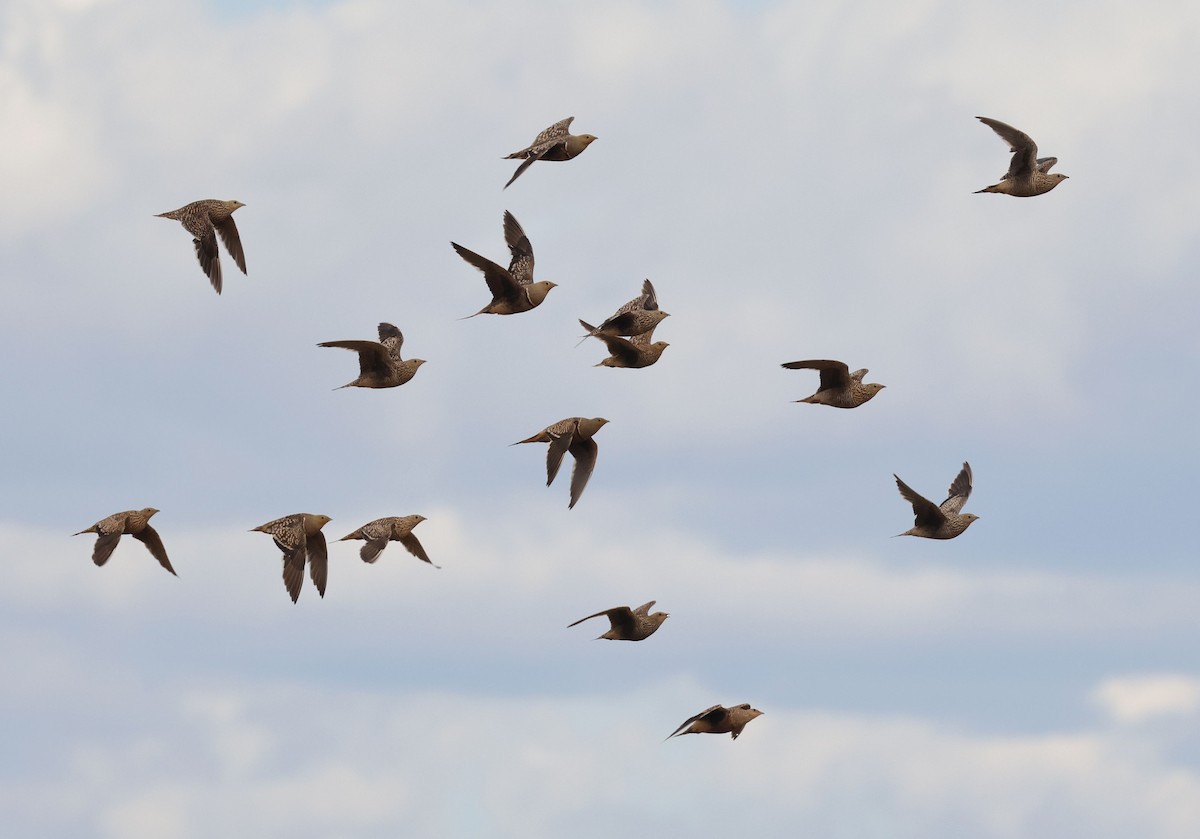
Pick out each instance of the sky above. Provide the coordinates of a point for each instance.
(796, 179)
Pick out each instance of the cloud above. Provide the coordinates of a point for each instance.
(1137, 699)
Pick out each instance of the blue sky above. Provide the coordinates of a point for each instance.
(797, 181)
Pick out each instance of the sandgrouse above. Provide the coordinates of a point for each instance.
(573, 435)
(637, 317)
(839, 387)
(379, 362)
(555, 143)
(378, 533)
(628, 624)
(628, 352)
(944, 522)
(719, 720)
(1027, 174)
(514, 290)
(134, 522)
(205, 220)
(298, 536)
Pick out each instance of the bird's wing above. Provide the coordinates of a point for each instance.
(960, 491)
(623, 349)
(927, 513)
(560, 443)
(318, 560)
(210, 261)
(233, 242)
(589, 617)
(500, 282)
(414, 547)
(1044, 164)
(521, 266)
(552, 135)
(649, 297)
(372, 356)
(106, 543)
(834, 374)
(293, 571)
(584, 452)
(373, 548)
(150, 538)
(644, 609)
(1019, 143)
(391, 338)
(716, 712)
(527, 162)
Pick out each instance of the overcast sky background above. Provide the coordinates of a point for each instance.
(796, 179)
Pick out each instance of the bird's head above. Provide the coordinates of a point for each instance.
(149, 511)
(873, 388)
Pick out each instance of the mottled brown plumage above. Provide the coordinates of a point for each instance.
(944, 522)
(299, 536)
(379, 362)
(719, 720)
(205, 220)
(513, 290)
(134, 522)
(628, 624)
(637, 317)
(378, 533)
(839, 387)
(573, 435)
(555, 143)
(628, 352)
(1027, 174)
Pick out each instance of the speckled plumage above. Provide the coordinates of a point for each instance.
(299, 536)
(134, 522)
(513, 291)
(573, 435)
(637, 317)
(946, 521)
(379, 362)
(839, 387)
(1027, 174)
(719, 720)
(628, 624)
(378, 533)
(205, 220)
(555, 143)
(628, 352)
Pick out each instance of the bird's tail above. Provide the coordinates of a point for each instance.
(174, 214)
(591, 330)
(91, 529)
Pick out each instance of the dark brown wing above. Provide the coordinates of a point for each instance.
(414, 547)
(106, 543)
(500, 282)
(1024, 150)
(293, 569)
(711, 715)
(150, 538)
(373, 548)
(623, 349)
(560, 444)
(318, 560)
(834, 374)
(927, 513)
(521, 266)
(584, 452)
(649, 298)
(233, 242)
(210, 261)
(372, 356)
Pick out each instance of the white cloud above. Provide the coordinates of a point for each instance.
(1136, 699)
